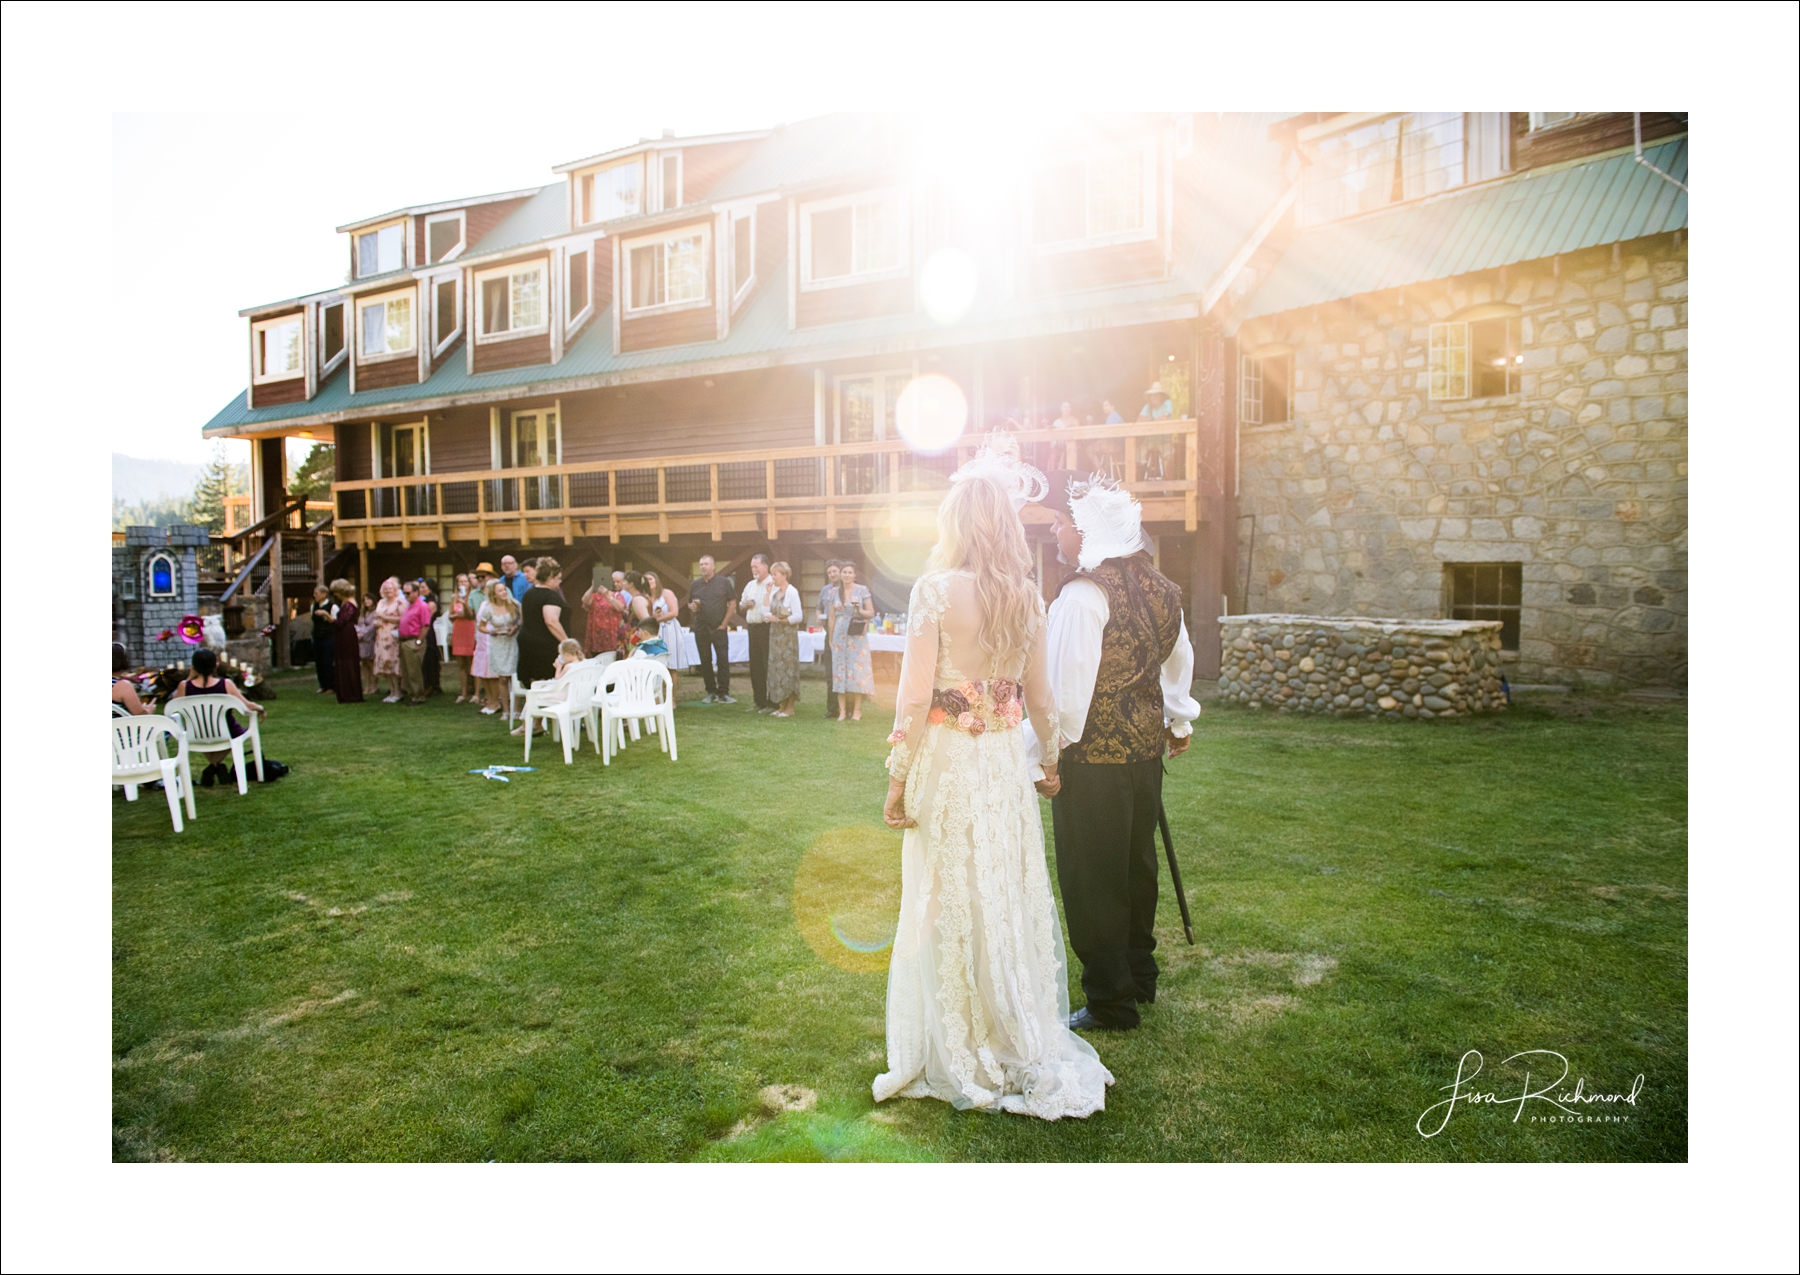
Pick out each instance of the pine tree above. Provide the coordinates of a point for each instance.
(218, 480)
(313, 481)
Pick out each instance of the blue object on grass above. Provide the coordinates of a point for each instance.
(501, 772)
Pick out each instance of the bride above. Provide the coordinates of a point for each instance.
(978, 1000)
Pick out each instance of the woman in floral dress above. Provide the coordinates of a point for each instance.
(388, 613)
(852, 673)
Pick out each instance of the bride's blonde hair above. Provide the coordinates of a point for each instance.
(979, 532)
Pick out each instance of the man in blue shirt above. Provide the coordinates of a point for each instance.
(1112, 413)
(516, 583)
(1157, 404)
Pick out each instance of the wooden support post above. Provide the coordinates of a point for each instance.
(612, 503)
(481, 531)
(662, 505)
(362, 571)
(831, 486)
(718, 529)
(1131, 465)
(1209, 588)
(769, 495)
(1193, 479)
(405, 533)
(568, 530)
(278, 599)
(443, 540)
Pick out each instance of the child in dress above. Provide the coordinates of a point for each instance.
(568, 655)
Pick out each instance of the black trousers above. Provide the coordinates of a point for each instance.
(831, 699)
(715, 643)
(1105, 823)
(759, 663)
(325, 662)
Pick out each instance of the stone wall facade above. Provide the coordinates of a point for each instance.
(139, 615)
(1357, 667)
(1580, 477)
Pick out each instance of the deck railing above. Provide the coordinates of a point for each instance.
(1168, 464)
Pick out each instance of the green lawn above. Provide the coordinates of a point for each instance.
(382, 957)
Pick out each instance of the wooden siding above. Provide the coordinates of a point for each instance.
(854, 301)
(269, 393)
(461, 439)
(482, 218)
(523, 351)
(603, 277)
(704, 167)
(1091, 267)
(403, 370)
(352, 451)
(749, 410)
(676, 327)
(771, 244)
(1585, 136)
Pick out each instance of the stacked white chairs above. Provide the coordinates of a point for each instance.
(138, 758)
(206, 721)
(634, 691)
(566, 705)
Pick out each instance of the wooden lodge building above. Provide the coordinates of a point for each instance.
(1415, 364)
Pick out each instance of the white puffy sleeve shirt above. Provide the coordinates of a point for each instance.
(1076, 625)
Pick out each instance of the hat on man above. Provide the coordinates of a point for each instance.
(1109, 518)
(1156, 388)
(484, 568)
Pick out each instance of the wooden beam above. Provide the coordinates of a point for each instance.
(568, 530)
(713, 474)
(612, 475)
(662, 504)
(671, 575)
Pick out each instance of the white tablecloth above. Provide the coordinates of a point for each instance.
(811, 646)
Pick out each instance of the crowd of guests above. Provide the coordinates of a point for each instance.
(1102, 455)
(518, 623)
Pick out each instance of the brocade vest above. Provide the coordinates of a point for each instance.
(1125, 717)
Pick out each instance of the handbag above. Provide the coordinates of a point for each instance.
(858, 625)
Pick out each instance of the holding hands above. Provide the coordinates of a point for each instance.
(893, 811)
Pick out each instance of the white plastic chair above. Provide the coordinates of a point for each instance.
(514, 693)
(564, 704)
(119, 710)
(207, 721)
(137, 758)
(634, 691)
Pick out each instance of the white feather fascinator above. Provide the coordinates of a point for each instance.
(999, 459)
(1109, 518)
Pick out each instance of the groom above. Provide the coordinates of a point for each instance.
(1121, 665)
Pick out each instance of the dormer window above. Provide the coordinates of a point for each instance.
(512, 301)
(443, 236)
(1103, 198)
(386, 325)
(381, 250)
(743, 252)
(278, 348)
(670, 164)
(612, 192)
(1402, 157)
(852, 239)
(667, 270)
(331, 331)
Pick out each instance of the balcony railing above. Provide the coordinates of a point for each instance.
(1170, 465)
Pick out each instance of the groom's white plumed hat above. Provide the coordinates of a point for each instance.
(999, 460)
(1109, 518)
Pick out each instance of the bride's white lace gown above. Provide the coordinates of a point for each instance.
(978, 1000)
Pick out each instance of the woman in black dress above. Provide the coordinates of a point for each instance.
(542, 631)
(344, 645)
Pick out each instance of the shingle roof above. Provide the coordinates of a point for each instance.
(544, 216)
(1534, 215)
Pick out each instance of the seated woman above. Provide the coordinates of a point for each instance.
(124, 692)
(205, 682)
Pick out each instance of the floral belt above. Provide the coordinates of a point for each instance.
(975, 707)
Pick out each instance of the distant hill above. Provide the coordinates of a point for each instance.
(138, 481)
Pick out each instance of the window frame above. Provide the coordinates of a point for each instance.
(421, 426)
(1463, 327)
(1085, 241)
(150, 589)
(1250, 377)
(1450, 606)
(258, 376)
(1319, 167)
(432, 285)
(581, 316)
(662, 194)
(540, 264)
(411, 294)
(896, 194)
(584, 212)
(331, 361)
(704, 231)
(460, 217)
(1536, 123)
(356, 248)
(740, 291)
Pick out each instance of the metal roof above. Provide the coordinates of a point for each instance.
(1536, 214)
(442, 205)
(803, 154)
(667, 142)
(543, 216)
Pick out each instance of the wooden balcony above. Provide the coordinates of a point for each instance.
(1174, 467)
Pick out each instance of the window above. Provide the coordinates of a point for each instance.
(1548, 119)
(1404, 157)
(865, 413)
(512, 301)
(743, 252)
(671, 180)
(536, 442)
(1485, 591)
(331, 319)
(666, 271)
(387, 325)
(381, 250)
(443, 237)
(1104, 197)
(279, 349)
(852, 239)
(579, 274)
(1264, 382)
(402, 451)
(163, 576)
(1478, 358)
(611, 192)
(446, 311)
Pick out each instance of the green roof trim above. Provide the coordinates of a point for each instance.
(1537, 214)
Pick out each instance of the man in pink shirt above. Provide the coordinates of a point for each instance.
(413, 623)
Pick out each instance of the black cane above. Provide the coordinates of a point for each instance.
(1187, 921)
